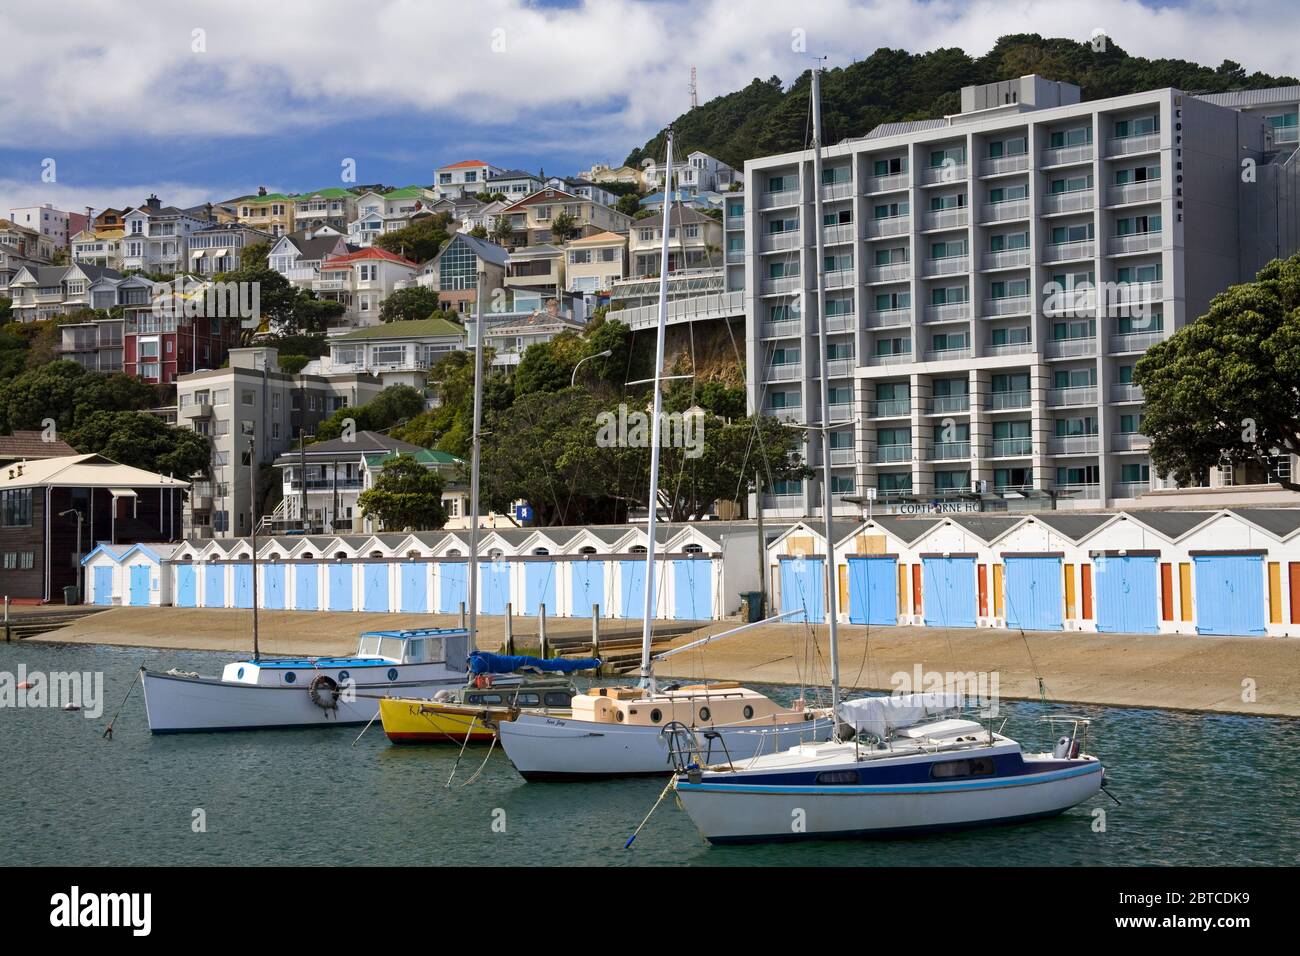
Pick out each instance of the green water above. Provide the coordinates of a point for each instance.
(1196, 789)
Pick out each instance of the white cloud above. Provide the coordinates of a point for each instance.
(23, 192)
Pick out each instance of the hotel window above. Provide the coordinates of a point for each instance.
(1079, 136)
(1138, 174)
(1013, 289)
(947, 341)
(839, 263)
(1003, 243)
(842, 484)
(783, 313)
(1078, 475)
(1072, 184)
(835, 174)
(1137, 225)
(1011, 382)
(948, 250)
(894, 482)
(782, 225)
(1013, 478)
(893, 346)
(776, 184)
(1141, 126)
(839, 306)
(1076, 378)
(889, 301)
(892, 255)
(950, 201)
(892, 210)
(888, 167)
(247, 397)
(1133, 473)
(952, 295)
(951, 480)
(1128, 324)
(785, 356)
(1008, 147)
(1125, 374)
(1077, 233)
(1072, 427)
(954, 154)
(1084, 328)
(1151, 273)
(1016, 335)
(1130, 424)
(778, 270)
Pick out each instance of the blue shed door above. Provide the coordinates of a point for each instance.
(588, 587)
(803, 589)
(1033, 593)
(494, 587)
(214, 585)
(415, 587)
(340, 594)
(273, 585)
(692, 589)
(948, 591)
(631, 588)
(1126, 594)
(873, 590)
(453, 587)
(139, 585)
(103, 585)
(243, 585)
(539, 587)
(306, 590)
(1230, 594)
(374, 587)
(186, 586)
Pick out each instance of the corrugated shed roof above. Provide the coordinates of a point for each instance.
(907, 126)
(1238, 99)
(1278, 521)
(1073, 527)
(1172, 524)
(83, 471)
(986, 527)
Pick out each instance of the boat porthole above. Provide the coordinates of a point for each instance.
(290, 677)
(240, 673)
(656, 715)
(343, 676)
(618, 715)
(748, 712)
(704, 714)
(392, 673)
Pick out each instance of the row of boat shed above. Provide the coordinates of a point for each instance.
(1230, 572)
(570, 571)
(1190, 572)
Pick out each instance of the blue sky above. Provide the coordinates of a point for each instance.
(202, 101)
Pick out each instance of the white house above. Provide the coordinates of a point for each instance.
(217, 248)
(156, 237)
(298, 255)
(362, 280)
(514, 183)
(464, 178)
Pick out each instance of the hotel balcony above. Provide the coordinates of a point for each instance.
(843, 456)
(840, 279)
(887, 184)
(1138, 242)
(1078, 303)
(1130, 489)
(948, 312)
(891, 358)
(889, 319)
(1079, 200)
(787, 197)
(1136, 292)
(946, 218)
(1087, 492)
(1067, 155)
(1132, 145)
(1135, 341)
(947, 405)
(1007, 305)
(1068, 251)
(787, 372)
(842, 412)
(1125, 393)
(1148, 191)
(949, 265)
(1077, 395)
(834, 235)
(1011, 447)
(947, 355)
(891, 408)
(894, 272)
(840, 368)
(783, 502)
(1129, 441)
(950, 450)
(789, 328)
(887, 454)
(1005, 211)
(997, 165)
(939, 175)
(840, 322)
(1074, 445)
(1005, 259)
(889, 226)
(787, 413)
(779, 241)
(735, 255)
(1286, 134)
(1005, 401)
(1070, 348)
(781, 285)
(835, 191)
(1009, 348)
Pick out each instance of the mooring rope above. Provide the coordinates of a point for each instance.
(108, 731)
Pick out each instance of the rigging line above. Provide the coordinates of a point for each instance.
(1024, 638)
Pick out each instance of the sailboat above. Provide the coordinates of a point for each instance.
(897, 765)
(498, 687)
(262, 692)
(626, 731)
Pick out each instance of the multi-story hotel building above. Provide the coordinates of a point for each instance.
(992, 277)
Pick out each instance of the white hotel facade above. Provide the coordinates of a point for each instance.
(960, 376)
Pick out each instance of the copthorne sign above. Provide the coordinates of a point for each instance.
(932, 507)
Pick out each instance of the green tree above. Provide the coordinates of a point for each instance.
(415, 302)
(6, 309)
(141, 440)
(1226, 388)
(420, 241)
(503, 232)
(67, 392)
(479, 231)
(563, 227)
(406, 496)
(277, 297)
(629, 205)
(394, 404)
(312, 316)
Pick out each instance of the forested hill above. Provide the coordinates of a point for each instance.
(893, 85)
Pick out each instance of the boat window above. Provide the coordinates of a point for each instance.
(527, 700)
(951, 769)
(837, 778)
(656, 715)
(425, 650)
(558, 698)
(490, 699)
(391, 648)
(748, 712)
(705, 714)
(369, 647)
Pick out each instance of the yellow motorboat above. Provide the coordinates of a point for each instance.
(472, 712)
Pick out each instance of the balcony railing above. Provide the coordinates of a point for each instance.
(787, 413)
(1065, 348)
(1286, 134)
(946, 355)
(1004, 164)
(783, 502)
(787, 197)
(833, 235)
(1131, 145)
(1009, 348)
(951, 450)
(779, 241)
(840, 322)
(888, 226)
(1129, 441)
(1007, 305)
(834, 191)
(839, 279)
(889, 319)
(948, 404)
(1067, 155)
(1148, 191)
(1011, 447)
(894, 272)
(887, 184)
(1126, 393)
(782, 330)
(1135, 292)
(891, 358)
(786, 372)
(1130, 489)
(891, 408)
(885, 454)
(839, 368)
(1135, 341)
(1077, 200)
(1005, 259)
(781, 284)
(1074, 445)
(950, 173)
(1065, 251)
(1075, 395)
(946, 218)
(842, 412)
(1080, 303)
(1087, 491)
(948, 312)
(948, 265)
(843, 456)
(1001, 401)
(1005, 211)
(1138, 242)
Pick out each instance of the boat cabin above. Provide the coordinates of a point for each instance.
(694, 705)
(381, 653)
(428, 645)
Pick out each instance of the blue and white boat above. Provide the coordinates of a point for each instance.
(267, 692)
(907, 769)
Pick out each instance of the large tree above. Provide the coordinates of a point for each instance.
(403, 305)
(1226, 388)
(406, 496)
(394, 404)
(141, 440)
(66, 392)
(420, 241)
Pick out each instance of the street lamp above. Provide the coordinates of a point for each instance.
(81, 571)
(573, 380)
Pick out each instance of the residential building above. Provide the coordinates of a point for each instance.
(583, 188)
(44, 292)
(397, 353)
(46, 220)
(514, 183)
(991, 279)
(603, 173)
(485, 216)
(32, 445)
(362, 280)
(531, 217)
(699, 173)
(27, 243)
(378, 213)
(157, 237)
(464, 178)
(298, 255)
(595, 263)
(11, 263)
(218, 248)
(253, 398)
(509, 336)
(269, 212)
(334, 207)
(99, 242)
(41, 546)
(536, 268)
(95, 345)
(694, 242)
(161, 345)
(453, 273)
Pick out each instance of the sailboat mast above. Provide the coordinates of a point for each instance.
(822, 348)
(476, 445)
(647, 621)
(252, 474)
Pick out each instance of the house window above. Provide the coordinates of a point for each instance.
(16, 508)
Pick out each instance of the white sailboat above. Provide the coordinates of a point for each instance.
(261, 693)
(627, 731)
(897, 765)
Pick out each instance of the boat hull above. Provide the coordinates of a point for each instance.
(739, 813)
(179, 704)
(554, 748)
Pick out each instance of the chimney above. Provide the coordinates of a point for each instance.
(153, 203)
(261, 190)
(553, 308)
(208, 209)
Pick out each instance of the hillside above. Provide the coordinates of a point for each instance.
(893, 85)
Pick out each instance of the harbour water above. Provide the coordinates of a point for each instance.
(1196, 789)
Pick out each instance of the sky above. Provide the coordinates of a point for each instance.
(103, 102)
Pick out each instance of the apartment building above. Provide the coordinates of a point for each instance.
(218, 248)
(362, 280)
(464, 178)
(156, 237)
(397, 353)
(531, 217)
(46, 220)
(992, 277)
(514, 183)
(453, 272)
(252, 398)
(596, 263)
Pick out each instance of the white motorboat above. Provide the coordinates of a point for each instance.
(309, 691)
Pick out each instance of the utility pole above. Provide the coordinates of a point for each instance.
(252, 465)
(302, 448)
(476, 446)
(762, 545)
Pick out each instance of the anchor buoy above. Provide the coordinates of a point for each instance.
(324, 692)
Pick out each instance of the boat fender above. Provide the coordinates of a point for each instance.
(1074, 750)
(482, 680)
(1062, 748)
(324, 692)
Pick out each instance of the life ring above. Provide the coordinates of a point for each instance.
(482, 680)
(324, 692)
